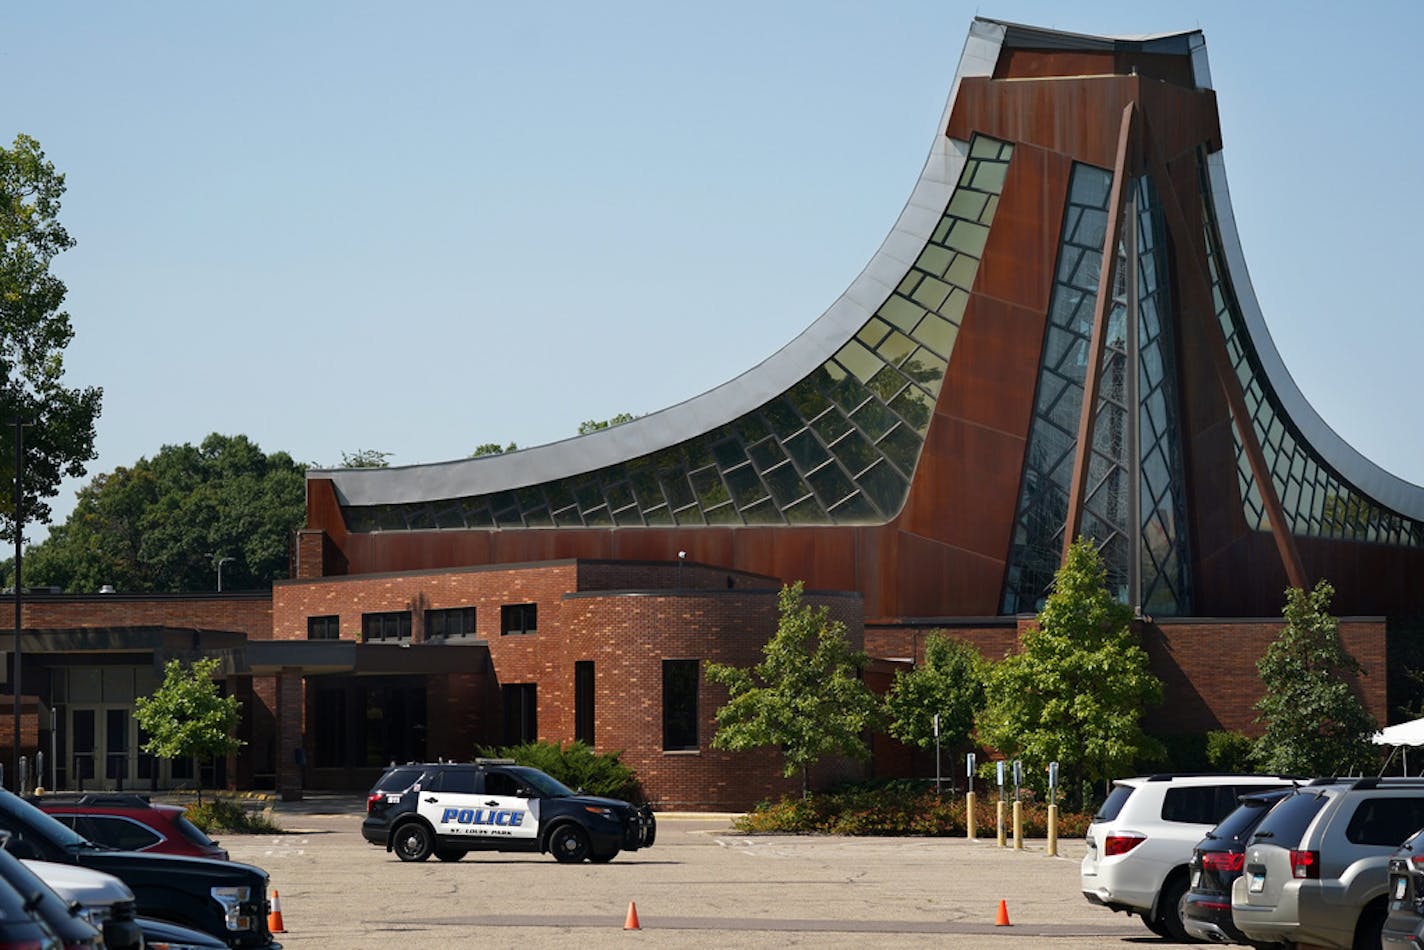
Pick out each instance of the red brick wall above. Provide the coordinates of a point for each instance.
(248, 612)
(1209, 675)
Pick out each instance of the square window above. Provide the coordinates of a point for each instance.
(324, 628)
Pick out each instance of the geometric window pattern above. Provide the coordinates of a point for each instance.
(1166, 554)
(1037, 546)
(839, 447)
(1043, 503)
(1317, 502)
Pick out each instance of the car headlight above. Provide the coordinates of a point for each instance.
(232, 899)
(601, 812)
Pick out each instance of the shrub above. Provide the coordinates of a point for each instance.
(575, 764)
(898, 809)
(223, 815)
(1229, 751)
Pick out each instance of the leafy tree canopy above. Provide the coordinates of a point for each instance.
(1315, 723)
(1076, 689)
(185, 716)
(805, 697)
(366, 458)
(593, 425)
(492, 448)
(159, 526)
(34, 332)
(949, 682)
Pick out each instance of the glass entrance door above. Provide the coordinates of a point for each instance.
(104, 750)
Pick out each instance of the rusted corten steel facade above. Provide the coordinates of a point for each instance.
(945, 553)
(1071, 234)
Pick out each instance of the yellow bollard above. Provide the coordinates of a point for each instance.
(1000, 822)
(1018, 825)
(1053, 831)
(970, 831)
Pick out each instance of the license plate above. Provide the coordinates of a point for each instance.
(1196, 878)
(1400, 886)
(1258, 883)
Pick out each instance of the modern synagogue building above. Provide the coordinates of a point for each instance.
(1057, 338)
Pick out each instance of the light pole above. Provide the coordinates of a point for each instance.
(218, 562)
(681, 556)
(19, 541)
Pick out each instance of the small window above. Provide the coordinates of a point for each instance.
(679, 705)
(456, 623)
(324, 628)
(518, 619)
(498, 783)
(583, 701)
(398, 780)
(391, 627)
(1199, 805)
(121, 833)
(521, 713)
(1385, 822)
(458, 781)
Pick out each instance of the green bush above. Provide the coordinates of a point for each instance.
(576, 765)
(221, 815)
(898, 809)
(1229, 751)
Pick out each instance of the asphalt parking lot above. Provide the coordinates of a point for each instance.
(702, 884)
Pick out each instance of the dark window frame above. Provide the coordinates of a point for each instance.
(583, 701)
(681, 681)
(386, 626)
(518, 619)
(324, 627)
(450, 623)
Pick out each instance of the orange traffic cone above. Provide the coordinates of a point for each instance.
(274, 916)
(1002, 920)
(632, 922)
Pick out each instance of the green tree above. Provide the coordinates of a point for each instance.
(1315, 724)
(492, 448)
(593, 425)
(154, 527)
(365, 458)
(186, 717)
(805, 697)
(949, 682)
(34, 332)
(1075, 690)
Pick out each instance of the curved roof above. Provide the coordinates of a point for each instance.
(813, 346)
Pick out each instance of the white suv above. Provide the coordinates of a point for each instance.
(1140, 842)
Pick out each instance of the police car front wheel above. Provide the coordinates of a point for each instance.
(414, 842)
(569, 844)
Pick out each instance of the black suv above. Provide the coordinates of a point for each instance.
(222, 898)
(449, 809)
(1217, 861)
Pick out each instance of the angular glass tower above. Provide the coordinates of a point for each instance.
(1057, 339)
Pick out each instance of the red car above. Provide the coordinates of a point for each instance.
(131, 823)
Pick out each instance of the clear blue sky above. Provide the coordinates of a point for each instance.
(420, 227)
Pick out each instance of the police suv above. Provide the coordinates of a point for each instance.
(450, 808)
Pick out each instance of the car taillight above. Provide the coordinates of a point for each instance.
(1223, 861)
(1416, 861)
(1305, 864)
(1121, 844)
(371, 800)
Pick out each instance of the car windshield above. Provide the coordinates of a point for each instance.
(398, 780)
(1286, 824)
(1237, 825)
(546, 785)
(23, 817)
(1115, 800)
